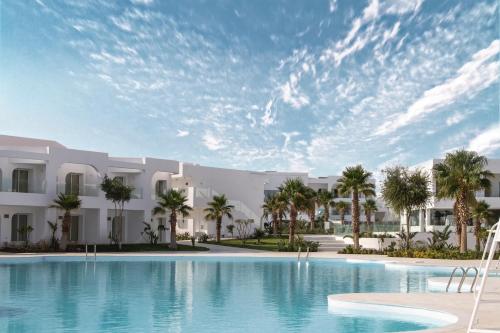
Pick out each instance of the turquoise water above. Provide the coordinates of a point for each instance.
(193, 295)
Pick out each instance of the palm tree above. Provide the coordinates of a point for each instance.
(356, 180)
(311, 197)
(217, 209)
(480, 213)
(404, 191)
(174, 202)
(341, 207)
(270, 208)
(67, 203)
(282, 208)
(294, 192)
(370, 207)
(458, 177)
(325, 198)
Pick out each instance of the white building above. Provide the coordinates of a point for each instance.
(33, 172)
(439, 213)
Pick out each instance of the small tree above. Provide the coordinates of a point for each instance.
(458, 177)
(480, 213)
(293, 192)
(119, 194)
(67, 203)
(150, 234)
(370, 207)
(243, 229)
(53, 239)
(230, 229)
(405, 190)
(341, 207)
(174, 202)
(25, 231)
(325, 200)
(355, 181)
(216, 210)
(259, 234)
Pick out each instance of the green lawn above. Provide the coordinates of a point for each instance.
(267, 244)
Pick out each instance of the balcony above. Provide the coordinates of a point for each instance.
(85, 190)
(26, 187)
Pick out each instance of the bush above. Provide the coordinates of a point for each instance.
(184, 236)
(349, 249)
(437, 254)
(300, 243)
(203, 238)
(258, 234)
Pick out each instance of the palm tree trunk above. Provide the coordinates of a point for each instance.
(355, 219)
(173, 231)
(120, 228)
(463, 214)
(275, 223)
(408, 213)
(477, 229)
(218, 227)
(280, 223)
(291, 227)
(326, 216)
(342, 217)
(65, 230)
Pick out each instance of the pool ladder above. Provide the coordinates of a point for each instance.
(87, 251)
(463, 276)
(307, 254)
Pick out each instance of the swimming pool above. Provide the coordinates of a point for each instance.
(195, 294)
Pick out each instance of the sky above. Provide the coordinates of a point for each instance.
(291, 85)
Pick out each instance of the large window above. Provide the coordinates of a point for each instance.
(20, 180)
(161, 187)
(73, 183)
(18, 228)
(74, 228)
(161, 231)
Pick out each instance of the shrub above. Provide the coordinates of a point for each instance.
(300, 243)
(203, 238)
(184, 236)
(258, 234)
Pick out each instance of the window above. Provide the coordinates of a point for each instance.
(120, 179)
(18, 230)
(20, 180)
(161, 187)
(73, 183)
(161, 231)
(74, 227)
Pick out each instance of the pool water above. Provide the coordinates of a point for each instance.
(189, 294)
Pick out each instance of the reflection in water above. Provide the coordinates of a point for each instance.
(189, 295)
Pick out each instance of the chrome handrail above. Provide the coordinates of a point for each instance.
(453, 275)
(307, 254)
(298, 256)
(465, 275)
(95, 251)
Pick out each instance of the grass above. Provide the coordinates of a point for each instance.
(267, 243)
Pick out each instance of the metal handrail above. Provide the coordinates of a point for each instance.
(95, 251)
(465, 275)
(86, 250)
(307, 255)
(453, 275)
(298, 256)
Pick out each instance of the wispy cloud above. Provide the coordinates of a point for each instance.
(472, 77)
(487, 141)
(182, 133)
(212, 142)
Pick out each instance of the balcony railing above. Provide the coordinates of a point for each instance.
(346, 229)
(87, 190)
(37, 187)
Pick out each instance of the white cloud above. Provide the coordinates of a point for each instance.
(291, 94)
(472, 77)
(182, 133)
(212, 142)
(487, 141)
(455, 119)
(142, 2)
(333, 6)
(402, 6)
(267, 118)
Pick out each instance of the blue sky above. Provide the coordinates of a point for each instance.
(262, 85)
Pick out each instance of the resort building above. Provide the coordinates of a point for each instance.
(33, 172)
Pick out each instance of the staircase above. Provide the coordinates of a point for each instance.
(326, 242)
